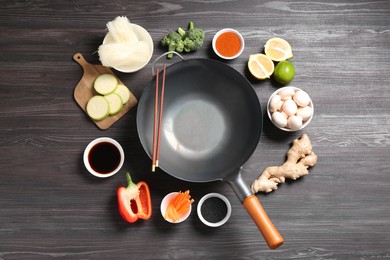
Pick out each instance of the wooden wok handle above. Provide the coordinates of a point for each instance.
(262, 221)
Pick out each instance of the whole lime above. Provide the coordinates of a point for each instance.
(284, 72)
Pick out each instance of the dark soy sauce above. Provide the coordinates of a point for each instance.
(214, 210)
(104, 157)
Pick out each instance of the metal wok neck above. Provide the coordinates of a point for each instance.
(239, 186)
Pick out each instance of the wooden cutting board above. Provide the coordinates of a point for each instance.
(84, 90)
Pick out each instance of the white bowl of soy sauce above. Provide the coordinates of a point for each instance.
(103, 157)
(214, 209)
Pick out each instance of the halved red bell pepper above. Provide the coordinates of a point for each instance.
(134, 201)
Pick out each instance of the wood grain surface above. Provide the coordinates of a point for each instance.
(51, 208)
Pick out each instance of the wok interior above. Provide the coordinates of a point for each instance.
(211, 120)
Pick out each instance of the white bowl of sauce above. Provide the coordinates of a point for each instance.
(103, 157)
(228, 44)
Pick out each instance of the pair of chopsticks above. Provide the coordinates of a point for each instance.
(157, 119)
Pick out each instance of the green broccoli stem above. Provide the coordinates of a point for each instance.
(171, 48)
(191, 25)
(181, 32)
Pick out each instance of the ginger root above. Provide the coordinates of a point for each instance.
(299, 158)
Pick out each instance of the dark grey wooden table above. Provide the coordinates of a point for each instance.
(50, 207)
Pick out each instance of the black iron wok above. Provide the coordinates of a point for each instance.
(211, 125)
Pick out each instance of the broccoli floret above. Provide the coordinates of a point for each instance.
(189, 45)
(196, 36)
(182, 40)
(180, 46)
(174, 43)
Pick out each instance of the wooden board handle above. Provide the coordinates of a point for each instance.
(80, 60)
(262, 221)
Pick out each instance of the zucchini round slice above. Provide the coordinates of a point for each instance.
(98, 108)
(105, 84)
(115, 103)
(123, 92)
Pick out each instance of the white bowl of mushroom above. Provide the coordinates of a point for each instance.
(290, 109)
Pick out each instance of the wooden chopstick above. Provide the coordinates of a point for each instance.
(157, 120)
(155, 130)
(160, 115)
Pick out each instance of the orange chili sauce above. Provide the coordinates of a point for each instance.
(228, 44)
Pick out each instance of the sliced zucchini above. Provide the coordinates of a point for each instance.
(98, 108)
(115, 103)
(105, 84)
(123, 92)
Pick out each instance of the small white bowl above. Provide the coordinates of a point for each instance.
(224, 31)
(305, 123)
(95, 142)
(219, 196)
(142, 35)
(164, 205)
